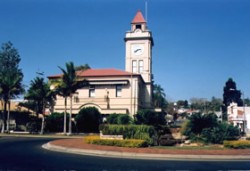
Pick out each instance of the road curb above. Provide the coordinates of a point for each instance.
(41, 136)
(114, 154)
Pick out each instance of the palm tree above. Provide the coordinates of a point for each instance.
(10, 86)
(67, 87)
(41, 95)
(159, 96)
(82, 67)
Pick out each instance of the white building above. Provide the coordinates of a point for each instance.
(117, 91)
(237, 115)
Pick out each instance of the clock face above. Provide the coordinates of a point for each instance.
(137, 49)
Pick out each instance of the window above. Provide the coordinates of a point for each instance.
(92, 91)
(134, 66)
(118, 91)
(140, 66)
(76, 99)
(138, 26)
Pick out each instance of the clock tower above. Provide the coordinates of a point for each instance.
(138, 49)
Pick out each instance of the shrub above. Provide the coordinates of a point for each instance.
(132, 143)
(240, 144)
(55, 122)
(223, 131)
(88, 120)
(142, 132)
(197, 122)
(124, 119)
(232, 132)
(121, 119)
(149, 117)
(206, 128)
(112, 119)
(34, 125)
(22, 119)
(213, 135)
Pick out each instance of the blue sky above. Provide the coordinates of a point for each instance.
(199, 44)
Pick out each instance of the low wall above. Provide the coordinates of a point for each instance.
(111, 137)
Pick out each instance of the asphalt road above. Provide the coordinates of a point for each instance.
(26, 154)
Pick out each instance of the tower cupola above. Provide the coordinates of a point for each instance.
(138, 23)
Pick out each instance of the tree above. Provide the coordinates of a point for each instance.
(231, 94)
(40, 94)
(88, 120)
(67, 86)
(206, 128)
(159, 100)
(200, 104)
(149, 117)
(247, 102)
(82, 67)
(199, 121)
(10, 79)
(215, 104)
(11, 87)
(182, 103)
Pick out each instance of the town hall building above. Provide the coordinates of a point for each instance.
(117, 91)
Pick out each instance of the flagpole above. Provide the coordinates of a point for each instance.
(146, 11)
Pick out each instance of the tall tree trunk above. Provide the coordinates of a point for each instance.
(4, 116)
(42, 126)
(43, 119)
(8, 118)
(65, 116)
(70, 116)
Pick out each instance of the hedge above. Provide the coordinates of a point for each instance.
(132, 143)
(121, 119)
(88, 120)
(240, 144)
(142, 132)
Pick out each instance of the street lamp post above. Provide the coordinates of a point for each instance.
(244, 115)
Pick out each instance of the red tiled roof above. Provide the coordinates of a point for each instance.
(103, 72)
(99, 73)
(138, 18)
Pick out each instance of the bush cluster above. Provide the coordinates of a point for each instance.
(149, 117)
(240, 144)
(25, 121)
(142, 132)
(121, 119)
(34, 125)
(55, 121)
(223, 131)
(88, 120)
(207, 129)
(132, 143)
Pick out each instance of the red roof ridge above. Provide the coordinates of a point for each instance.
(103, 72)
(138, 18)
(100, 73)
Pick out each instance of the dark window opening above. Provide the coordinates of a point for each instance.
(138, 26)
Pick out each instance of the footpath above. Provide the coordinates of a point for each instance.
(77, 146)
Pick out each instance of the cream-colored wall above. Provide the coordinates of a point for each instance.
(123, 104)
(144, 38)
(145, 57)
